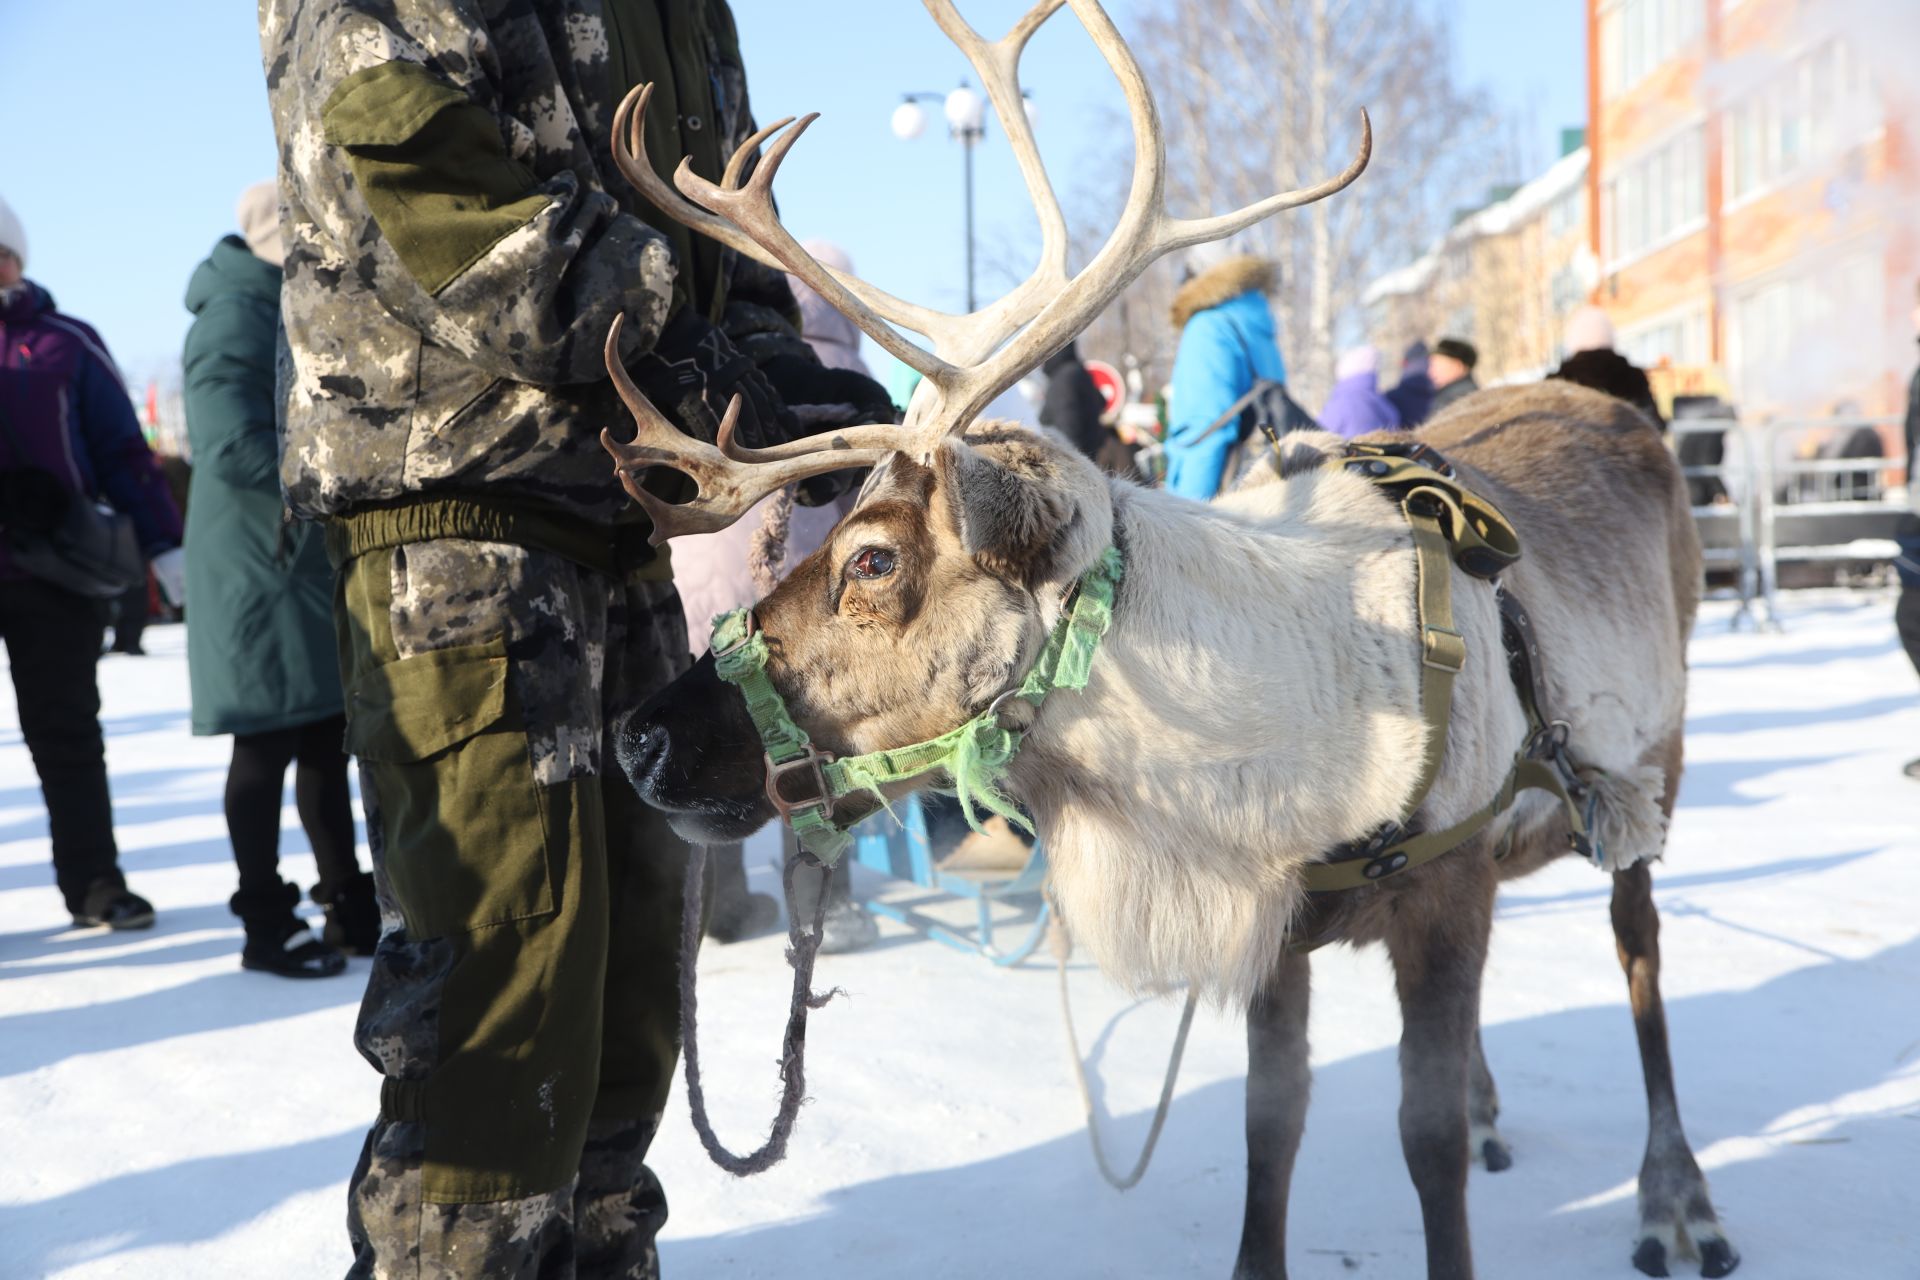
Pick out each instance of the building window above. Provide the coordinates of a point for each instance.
(1638, 35)
(1676, 340)
(1809, 111)
(1566, 290)
(1656, 196)
(1563, 215)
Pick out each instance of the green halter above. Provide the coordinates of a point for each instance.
(804, 783)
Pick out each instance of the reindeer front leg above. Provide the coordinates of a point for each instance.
(1278, 1080)
(1438, 943)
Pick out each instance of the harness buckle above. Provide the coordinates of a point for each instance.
(810, 769)
(746, 637)
(1548, 742)
(1443, 649)
(1377, 850)
(1001, 702)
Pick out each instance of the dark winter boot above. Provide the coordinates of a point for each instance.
(353, 915)
(735, 912)
(110, 903)
(278, 941)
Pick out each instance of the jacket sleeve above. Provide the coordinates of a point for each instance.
(123, 466)
(1209, 374)
(1642, 398)
(413, 182)
(229, 400)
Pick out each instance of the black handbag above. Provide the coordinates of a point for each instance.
(1268, 409)
(65, 538)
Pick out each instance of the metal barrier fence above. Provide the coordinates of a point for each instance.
(1774, 493)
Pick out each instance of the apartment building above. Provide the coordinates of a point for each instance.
(1753, 202)
(1505, 276)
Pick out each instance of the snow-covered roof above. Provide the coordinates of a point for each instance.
(1564, 175)
(1412, 278)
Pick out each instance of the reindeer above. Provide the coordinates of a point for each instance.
(1255, 706)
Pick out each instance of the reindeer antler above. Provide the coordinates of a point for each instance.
(974, 357)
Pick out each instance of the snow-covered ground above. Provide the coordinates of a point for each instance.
(163, 1113)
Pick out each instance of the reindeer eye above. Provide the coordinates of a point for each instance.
(874, 562)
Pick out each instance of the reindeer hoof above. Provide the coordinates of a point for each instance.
(1485, 1144)
(1718, 1258)
(1650, 1258)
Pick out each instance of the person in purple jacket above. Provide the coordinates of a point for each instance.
(67, 426)
(1355, 406)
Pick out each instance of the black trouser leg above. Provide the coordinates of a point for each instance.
(53, 646)
(130, 617)
(326, 804)
(255, 780)
(1906, 618)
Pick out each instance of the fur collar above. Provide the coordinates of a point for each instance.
(1215, 285)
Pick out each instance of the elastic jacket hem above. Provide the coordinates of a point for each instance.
(613, 550)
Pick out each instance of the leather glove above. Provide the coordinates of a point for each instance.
(693, 372)
(170, 571)
(840, 397)
(825, 399)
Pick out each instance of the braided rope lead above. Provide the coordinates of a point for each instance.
(801, 951)
(1062, 945)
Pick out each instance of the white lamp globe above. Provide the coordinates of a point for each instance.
(966, 110)
(909, 121)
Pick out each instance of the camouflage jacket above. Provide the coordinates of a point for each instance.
(458, 239)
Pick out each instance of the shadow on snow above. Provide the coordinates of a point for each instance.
(1803, 1204)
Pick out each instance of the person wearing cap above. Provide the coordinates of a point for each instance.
(68, 434)
(1592, 362)
(260, 648)
(1228, 340)
(1355, 405)
(1412, 396)
(1450, 368)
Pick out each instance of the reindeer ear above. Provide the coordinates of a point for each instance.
(1010, 509)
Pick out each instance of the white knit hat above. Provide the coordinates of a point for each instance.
(1209, 254)
(1588, 329)
(258, 213)
(13, 236)
(1356, 360)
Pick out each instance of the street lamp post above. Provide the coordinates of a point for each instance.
(966, 115)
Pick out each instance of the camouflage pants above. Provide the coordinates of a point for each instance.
(523, 1004)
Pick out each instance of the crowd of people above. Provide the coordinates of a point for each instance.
(404, 551)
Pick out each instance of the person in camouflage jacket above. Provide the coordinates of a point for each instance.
(458, 243)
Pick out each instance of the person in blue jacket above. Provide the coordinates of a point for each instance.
(1228, 340)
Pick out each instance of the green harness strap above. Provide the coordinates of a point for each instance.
(804, 783)
(1450, 525)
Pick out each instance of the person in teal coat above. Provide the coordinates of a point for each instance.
(1228, 341)
(260, 642)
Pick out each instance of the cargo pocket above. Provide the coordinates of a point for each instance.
(444, 742)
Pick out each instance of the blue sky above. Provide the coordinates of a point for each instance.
(132, 127)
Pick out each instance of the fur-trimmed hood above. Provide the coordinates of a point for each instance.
(1235, 276)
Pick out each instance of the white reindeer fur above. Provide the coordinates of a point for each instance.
(1257, 703)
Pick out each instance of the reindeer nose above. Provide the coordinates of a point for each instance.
(642, 750)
